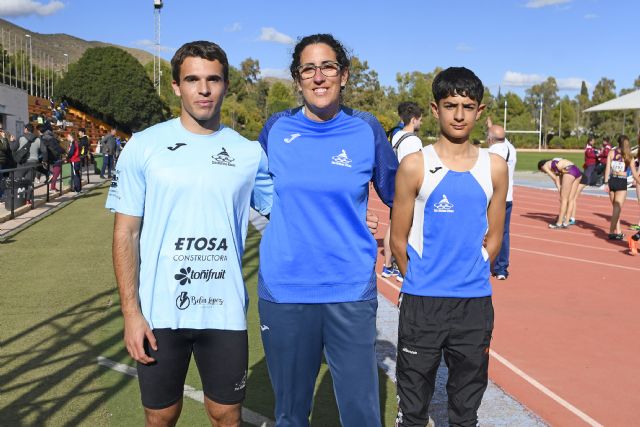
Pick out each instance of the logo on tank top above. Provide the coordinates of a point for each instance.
(175, 147)
(182, 302)
(223, 158)
(443, 205)
(341, 159)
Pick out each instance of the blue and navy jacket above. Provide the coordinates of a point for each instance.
(317, 247)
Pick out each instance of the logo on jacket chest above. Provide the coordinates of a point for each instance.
(341, 159)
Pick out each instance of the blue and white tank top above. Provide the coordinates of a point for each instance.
(446, 253)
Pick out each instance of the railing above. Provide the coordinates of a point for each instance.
(23, 178)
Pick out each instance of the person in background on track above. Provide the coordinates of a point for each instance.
(619, 160)
(404, 142)
(589, 176)
(637, 185)
(566, 176)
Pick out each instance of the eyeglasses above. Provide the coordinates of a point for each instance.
(327, 68)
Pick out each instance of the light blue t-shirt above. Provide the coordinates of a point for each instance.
(193, 193)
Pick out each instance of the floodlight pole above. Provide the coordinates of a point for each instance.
(540, 127)
(157, 7)
(30, 65)
(505, 114)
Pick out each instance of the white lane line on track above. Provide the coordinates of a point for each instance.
(564, 243)
(528, 379)
(584, 417)
(388, 282)
(248, 415)
(577, 259)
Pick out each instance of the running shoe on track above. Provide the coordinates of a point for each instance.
(616, 236)
(387, 271)
(555, 226)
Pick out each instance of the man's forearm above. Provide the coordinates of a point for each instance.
(126, 265)
(399, 251)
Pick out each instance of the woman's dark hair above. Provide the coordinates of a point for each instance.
(457, 81)
(341, 53)
(199, 49)
(541, 163)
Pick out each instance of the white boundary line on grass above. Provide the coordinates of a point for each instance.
(248, 415)
(584, 417)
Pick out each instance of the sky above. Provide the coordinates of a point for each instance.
(510, 44)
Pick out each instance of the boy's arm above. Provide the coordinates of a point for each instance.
(408, 182)
(498, 205)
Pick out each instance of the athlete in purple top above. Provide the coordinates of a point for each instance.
(566, 176)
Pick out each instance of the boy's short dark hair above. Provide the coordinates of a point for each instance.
(409, 110)
(29, 127)
(457, 81)
(199, 49)
(83, 130)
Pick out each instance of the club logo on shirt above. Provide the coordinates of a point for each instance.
(341, 159)
(443, 205)
(186, 275)
(175, 147)
(223, 158)
(183, 302)
(114, 181)
(291, 138)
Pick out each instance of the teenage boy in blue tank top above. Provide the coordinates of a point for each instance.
(447, 224)
(191, 181)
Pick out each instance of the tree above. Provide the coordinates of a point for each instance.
(604, 123)
(280, 98)
(250, 69)
(547, 94)
(112, 85)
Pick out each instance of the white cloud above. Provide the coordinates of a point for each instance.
(281, 73)
(571, 83)
(28, 7)
(463, 47)
(515, 79)
(590, 16)
(536, 4)
(270, 34)
(233, 27)
(150, 44)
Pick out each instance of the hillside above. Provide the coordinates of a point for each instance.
(56, 45)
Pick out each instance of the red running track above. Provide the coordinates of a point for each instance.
(566, 342)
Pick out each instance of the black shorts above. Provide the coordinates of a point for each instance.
(429, 328)
(221, 357)
(617, 184)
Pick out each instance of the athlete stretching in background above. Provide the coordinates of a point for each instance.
(566, 176)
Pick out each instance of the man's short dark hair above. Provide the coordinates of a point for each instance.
(409, 110)
(42, 128)
(199, 49)
(83, 130)
(457, 81)
(29, 127)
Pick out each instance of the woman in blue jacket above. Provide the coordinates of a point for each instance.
(317, 284)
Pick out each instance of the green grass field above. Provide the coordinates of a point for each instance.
(60, 311)
(528, 160)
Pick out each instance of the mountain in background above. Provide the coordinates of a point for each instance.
(56, 45)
